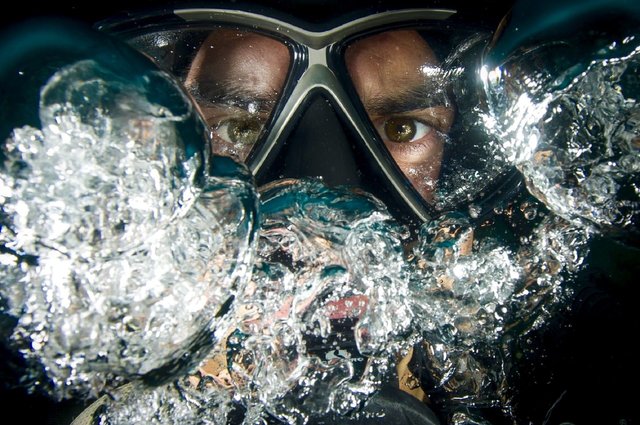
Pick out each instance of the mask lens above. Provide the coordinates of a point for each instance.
(236, 77)
(395, 74)
(419, 90)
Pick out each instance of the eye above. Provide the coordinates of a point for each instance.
(404, 130)
(239, 131)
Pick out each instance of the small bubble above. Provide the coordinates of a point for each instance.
(528, 210)
(474, 210)
(530, 213)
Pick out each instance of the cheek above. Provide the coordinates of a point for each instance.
(427, 150)
(223, 148)
(420, 162)
(424, 179)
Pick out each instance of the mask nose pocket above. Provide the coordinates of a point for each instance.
(318, 146)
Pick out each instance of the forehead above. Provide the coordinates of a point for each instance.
(224, 47)
(391, 48)
(386, 63)
(254, 60)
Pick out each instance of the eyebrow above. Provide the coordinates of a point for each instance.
(422, 96)
(232, 93)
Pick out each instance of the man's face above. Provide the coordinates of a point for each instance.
(237, 77)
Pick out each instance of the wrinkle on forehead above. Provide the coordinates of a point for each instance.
(388, 62)
(254, 61)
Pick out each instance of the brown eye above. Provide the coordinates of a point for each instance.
(404, 129)
(240, 131)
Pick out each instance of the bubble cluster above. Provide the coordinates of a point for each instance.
(568, 113)
(327, 305)
(113, 241)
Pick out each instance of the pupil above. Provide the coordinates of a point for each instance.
(400, 130)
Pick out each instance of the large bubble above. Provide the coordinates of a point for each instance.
(118, 248)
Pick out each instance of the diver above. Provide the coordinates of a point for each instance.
(376, 103)
(384, 102)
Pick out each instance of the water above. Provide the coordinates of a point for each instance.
(126, 261)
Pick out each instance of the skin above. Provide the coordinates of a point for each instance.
(387, 71)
